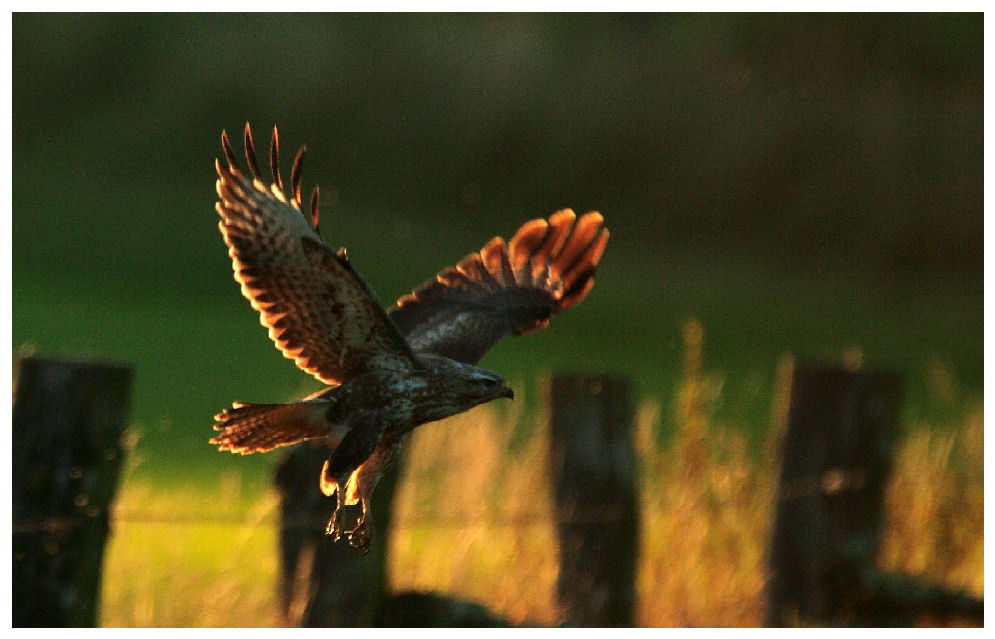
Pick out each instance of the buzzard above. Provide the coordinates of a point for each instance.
(388, 371)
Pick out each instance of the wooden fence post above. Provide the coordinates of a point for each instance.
(68, 416)
(593, 472)
(836, 458)
(323, 583)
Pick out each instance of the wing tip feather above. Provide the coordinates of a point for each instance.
(274, 160)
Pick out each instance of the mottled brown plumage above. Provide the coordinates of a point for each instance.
(387, 371)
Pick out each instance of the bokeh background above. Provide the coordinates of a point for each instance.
(807, 184)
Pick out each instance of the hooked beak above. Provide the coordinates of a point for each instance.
(507, 392)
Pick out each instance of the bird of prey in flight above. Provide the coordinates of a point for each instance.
(387, 370)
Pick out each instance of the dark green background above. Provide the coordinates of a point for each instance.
(800, 183)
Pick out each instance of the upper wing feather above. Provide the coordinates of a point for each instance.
(318, 310)
(505, 289)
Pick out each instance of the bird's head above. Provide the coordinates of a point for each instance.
(485, 384)
(462, 386)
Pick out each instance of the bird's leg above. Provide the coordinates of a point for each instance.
(338, 525)
(359, 535)
(341, 475)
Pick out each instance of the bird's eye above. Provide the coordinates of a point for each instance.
(486, 381)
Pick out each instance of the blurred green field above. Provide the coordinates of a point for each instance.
(800, 184)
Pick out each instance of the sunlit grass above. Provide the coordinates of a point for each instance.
(935, 525)
(472, 520)
(706, 511)
(190, 557)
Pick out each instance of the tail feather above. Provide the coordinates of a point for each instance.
(258, 428)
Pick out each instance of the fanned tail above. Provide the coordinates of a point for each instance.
(258, 428)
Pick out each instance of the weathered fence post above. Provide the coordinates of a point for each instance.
(836, 458)
(593, 473)
(68, 417)
(323, 583)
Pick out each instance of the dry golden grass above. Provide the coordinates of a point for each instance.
(473, 520)
(935, 506)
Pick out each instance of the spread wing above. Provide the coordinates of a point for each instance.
(505, 289)
(319, 311)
